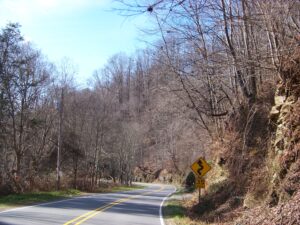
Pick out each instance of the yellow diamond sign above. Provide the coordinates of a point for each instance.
(200, 183)
(200, 167)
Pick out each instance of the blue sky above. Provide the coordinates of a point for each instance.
(87, 32)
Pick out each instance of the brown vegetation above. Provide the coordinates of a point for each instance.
(222, 81)
(239, 50)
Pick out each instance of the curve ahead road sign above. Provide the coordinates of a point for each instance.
(200, 167)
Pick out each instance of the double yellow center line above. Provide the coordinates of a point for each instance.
(80, 219)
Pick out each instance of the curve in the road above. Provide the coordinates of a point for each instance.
(80, 219)
(139, 207)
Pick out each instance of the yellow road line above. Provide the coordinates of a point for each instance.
(97, 212)
(80, 219)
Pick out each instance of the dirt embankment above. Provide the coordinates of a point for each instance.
(257, 179)
(283, 203)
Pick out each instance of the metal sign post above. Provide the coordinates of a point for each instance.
(200, 183)
(200, 167)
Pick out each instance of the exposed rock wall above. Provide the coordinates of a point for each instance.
(285, 117)
(284, 155)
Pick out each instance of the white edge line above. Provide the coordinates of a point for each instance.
(53, 202)
(161, 218)
(47, 203)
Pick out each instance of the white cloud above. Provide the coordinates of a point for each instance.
(28, 10)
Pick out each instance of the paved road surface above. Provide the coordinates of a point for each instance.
(140, 207)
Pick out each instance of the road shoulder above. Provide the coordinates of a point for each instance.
(175, 209)
(15, 201)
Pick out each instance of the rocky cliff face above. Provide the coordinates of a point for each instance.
(284, 154)
(285, 117)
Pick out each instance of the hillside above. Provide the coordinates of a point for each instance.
(220, 80)
(259, 185)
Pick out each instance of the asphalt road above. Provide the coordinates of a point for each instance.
(140, 207)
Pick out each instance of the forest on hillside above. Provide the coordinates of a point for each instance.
(208, 81)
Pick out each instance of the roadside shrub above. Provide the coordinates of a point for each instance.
(190, 181)
(6, 189)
